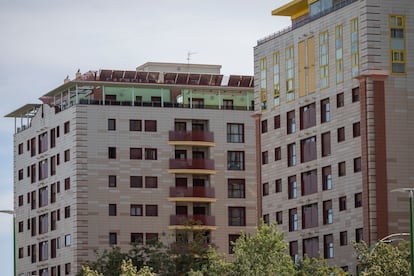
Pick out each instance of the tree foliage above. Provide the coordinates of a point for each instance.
(317, 267)
(383, 259)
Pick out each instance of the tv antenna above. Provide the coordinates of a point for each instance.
(189, 54)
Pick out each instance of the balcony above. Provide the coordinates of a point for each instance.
(192, 194)
(192, 166)
(196, 222)
(191, 138)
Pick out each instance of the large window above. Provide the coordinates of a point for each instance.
(150, 154)
(291, 151)
(135, 125)
(293, 219)
(150, 125)
(327, 212)
(326, 144)
(310, 215)
(135, 181)
(323, 59)
(264, 126)
(151, 210)
(328, 247)
(236, 188)
(292, 187)
(397, 36)
(235, 133)
(309, 182)
(237, 216)
(263, 83)
(308, 116)
(291, 122)
(135, 153)
(326, 178)
(276, 79)
(325, 111)
(308, 149)
(136, 210)
(354, 48)
(42, 140)
(290, 75)
(235, 160)
(294, 251)
(232, 239)
(339, 54)
(151, 182)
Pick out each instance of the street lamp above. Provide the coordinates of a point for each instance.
(11, 212)
(410, 191)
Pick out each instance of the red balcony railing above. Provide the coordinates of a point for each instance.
(192, 192)
(192, 220)
(196, 135)
(203, 164)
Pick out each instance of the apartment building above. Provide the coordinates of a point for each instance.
(114, 157)
(334, 105)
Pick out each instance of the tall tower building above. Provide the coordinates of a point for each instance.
(114, 157)
(335, 104)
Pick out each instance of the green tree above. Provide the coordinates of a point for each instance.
(383, 259)
(263, 254)
(128, 269)
(87, 271)
(317, 267)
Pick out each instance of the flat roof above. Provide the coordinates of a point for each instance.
(26, 110)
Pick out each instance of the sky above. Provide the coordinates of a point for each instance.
(43, 41)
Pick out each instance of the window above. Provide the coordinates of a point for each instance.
(113, 239)
(265, 158)
(359, 234)
(291, 151)
(53, 247)
(307, 116)
(67, 155)
(227, 104)
(265, 189)
(136, 210)
(197, 102)
(237, 216)
(135, 125)
(342, 203)
(67, 240)
(310, 215)
(43, 197)
(263, 83)
(33, 200)
(137, 238)
(67, 183)
(112, 153)
(293, 251)
(112, 181)
(235, 133)
(66, 127)
(354, 48)
(278, 185)
(324, 59)
(290, 75)
(236, 188)
(291, 122)
(42, 140)
(325, 111)
(264, 126)
(21, 226)
(32, 147)
(339, 54)
(266, 219)
(356, 129)
(308, 149)
(292, 187)
(327, 212)
(111, 124)
(358, 200)
(357, 164)
(276, 121)
(328, 247)
(21, 200)
(341, 134)
(311, 247)
(326, 144)
(151, 237)
(53, 165)
(135, 181)
(43, 251)
(112, 210)
(151, 182)
(53, 219)
(278, 154)
(135, 153)
(67, 211)
(67, 269)
(43, 169)
(52, 138)
(151, 210)
(150, 154)
(150, 125)
(340, 100)
(279, 217)
(397, 37)
(276, 79)
(235, 160)
(342, 168)
(309, 182)
(326, 178)
(20, 148)
(343, 238)
(293, 219)
(232, 239)
(355, 94)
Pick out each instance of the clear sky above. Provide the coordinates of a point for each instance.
(43, 41)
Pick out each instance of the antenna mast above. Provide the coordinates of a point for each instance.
(189, 54)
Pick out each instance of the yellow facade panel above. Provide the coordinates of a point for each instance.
(311, 65)
(302, 68)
